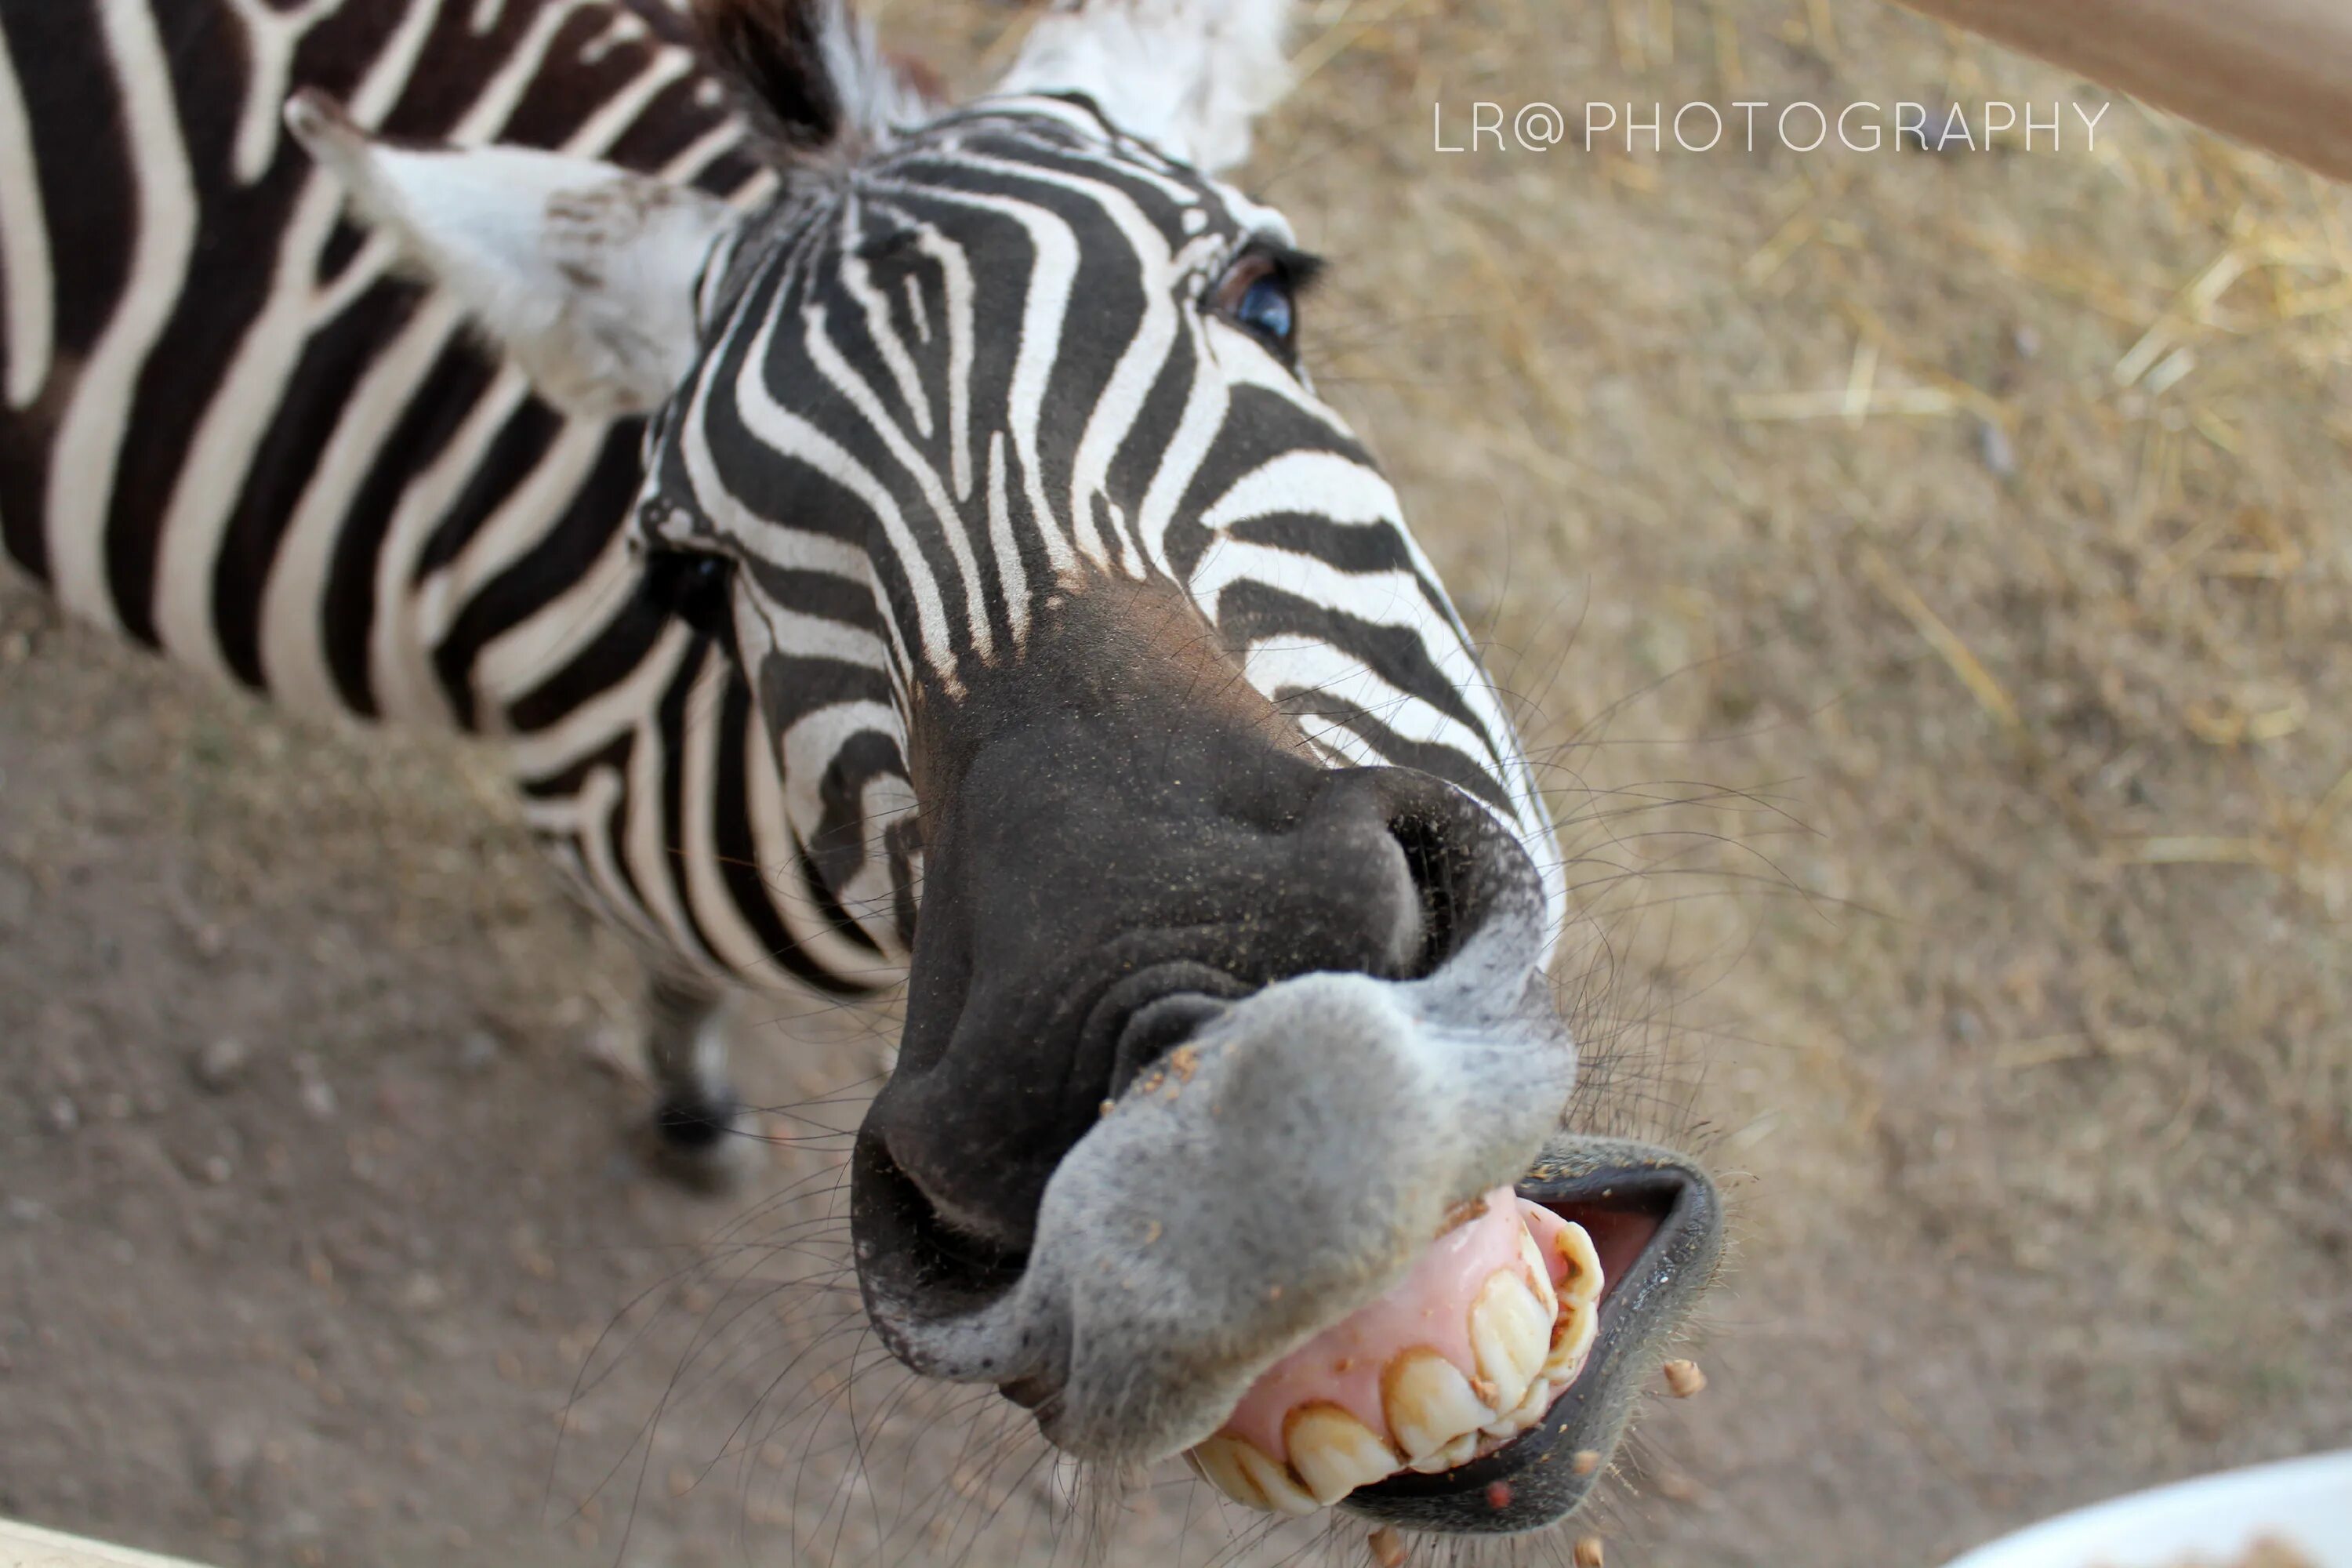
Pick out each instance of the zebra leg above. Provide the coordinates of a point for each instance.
(699, 1124)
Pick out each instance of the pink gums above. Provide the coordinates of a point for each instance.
(1342, 1366)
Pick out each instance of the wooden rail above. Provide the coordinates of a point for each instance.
(22, 1546)
(2274, 73)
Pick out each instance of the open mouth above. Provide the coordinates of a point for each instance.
(1483, 1391)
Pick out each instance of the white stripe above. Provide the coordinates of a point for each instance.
(642, 840)
(1318, 484)
(798, 635)
(807, 749)
(270, 37)
(857, 277)
(524, 519)
(1206, 405)
(598, 794)
(871, 897)
(1287, 665)
(731, 940)
(31, 303)
(1011, 570)
(410, 623)
(955, 274)
(294, 664)
(87, 453)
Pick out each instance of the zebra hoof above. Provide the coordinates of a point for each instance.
(704, 1142)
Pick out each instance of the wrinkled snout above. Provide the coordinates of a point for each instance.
(1214, 1051)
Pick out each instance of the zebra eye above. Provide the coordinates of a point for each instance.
(696, 587)
(1267, 310)
(1259, 293)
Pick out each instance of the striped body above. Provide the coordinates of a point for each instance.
(233, 432)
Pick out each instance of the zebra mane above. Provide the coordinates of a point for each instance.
(1188, 76)
(813, 74)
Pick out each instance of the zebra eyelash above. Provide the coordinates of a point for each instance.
(1300, 270)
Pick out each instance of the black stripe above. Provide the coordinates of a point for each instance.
(1250, 612)
(85, 192)
(670, 719)
(442, 401)
(1454, 765)
(746, 879)
(311, 404)
(616, 653)
(543, 573)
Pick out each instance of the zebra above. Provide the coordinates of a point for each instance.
(236, 432)
(1101, 690)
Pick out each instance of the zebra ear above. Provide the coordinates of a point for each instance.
(1188, 76)
(583, 272)
(813, 73)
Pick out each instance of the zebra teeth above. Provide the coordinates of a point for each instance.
(1274, 1481)
(1527, 1338)
(1578, 1323)
(1525, 1413)
(1242, 1471)
(1538, 1276)
(1510, 1334)
(1333, 1453)
(1583, 1283)
(1217, 1463)
(1431, 1409)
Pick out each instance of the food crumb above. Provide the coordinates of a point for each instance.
(1388, 1547)
(1684, 1378)
(1588, 1551)
(1499, 1494)
(1587, 1460)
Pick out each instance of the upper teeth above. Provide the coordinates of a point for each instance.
(1528, 1339)
(1334, 1453)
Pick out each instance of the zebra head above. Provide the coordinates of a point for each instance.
(1082, 625)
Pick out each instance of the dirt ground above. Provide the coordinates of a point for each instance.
(1922, 571)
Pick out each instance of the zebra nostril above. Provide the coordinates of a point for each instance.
(1441, 867)
(1157, 1029)
(1149, 1014)
(953, 1242)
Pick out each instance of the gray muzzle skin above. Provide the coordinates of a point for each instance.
(1282, 1168)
